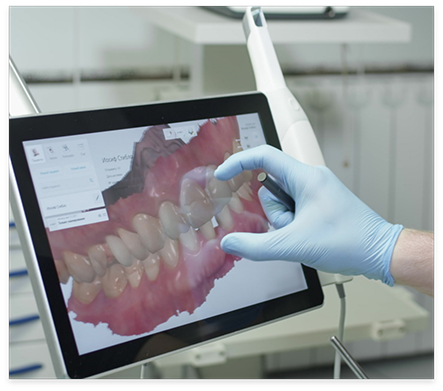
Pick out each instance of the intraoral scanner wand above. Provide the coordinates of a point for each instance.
(294, 130)
(277, 191)
(293, 127)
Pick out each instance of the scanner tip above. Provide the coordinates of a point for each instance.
(261, 177)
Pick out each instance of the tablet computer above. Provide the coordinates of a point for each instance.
(121, 218)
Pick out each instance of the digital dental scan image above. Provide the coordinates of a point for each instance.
(144, 254)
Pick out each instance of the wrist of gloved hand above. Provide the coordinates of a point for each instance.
(332, 230)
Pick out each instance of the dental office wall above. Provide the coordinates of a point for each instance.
(371, 107)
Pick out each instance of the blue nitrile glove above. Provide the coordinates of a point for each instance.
(331, 231)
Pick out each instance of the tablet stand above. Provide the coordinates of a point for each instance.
(149, 371)
(21, 101)
(347, 358)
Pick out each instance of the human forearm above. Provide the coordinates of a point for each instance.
(412, 262)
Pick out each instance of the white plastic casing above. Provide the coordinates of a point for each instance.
(294, 130)
(297, 138)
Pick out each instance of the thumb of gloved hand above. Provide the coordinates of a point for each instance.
(332, 230)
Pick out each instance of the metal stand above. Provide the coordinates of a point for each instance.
(347, 358)
(149, 371)
(21, 101)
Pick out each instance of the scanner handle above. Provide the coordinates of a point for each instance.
(267, 71)
(294, 130)
(297, 138)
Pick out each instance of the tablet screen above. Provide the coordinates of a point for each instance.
(134, 217)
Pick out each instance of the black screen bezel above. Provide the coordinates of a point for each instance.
(75, 123)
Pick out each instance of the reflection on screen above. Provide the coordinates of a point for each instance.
(135, 217)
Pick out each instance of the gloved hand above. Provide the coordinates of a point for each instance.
(332, 230)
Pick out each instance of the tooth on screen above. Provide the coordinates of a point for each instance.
(244, 192)
(86, 292)
(172, 221)
(189, 240)
(219, 192)
(195, 204)
(115, 281)
(152, 266)
(235, 204)
(133, 243)
(208, 231)
(119, 249)
(236, 182)
(134, 273)
(170, 253)
(247, 175)
(79, 267)
(224, 218)
(150, 231)
(97, 256)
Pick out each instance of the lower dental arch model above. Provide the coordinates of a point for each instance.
(159, 253)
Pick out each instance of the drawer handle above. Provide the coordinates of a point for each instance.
(18, 273)
(22, 370)
(26, 319)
